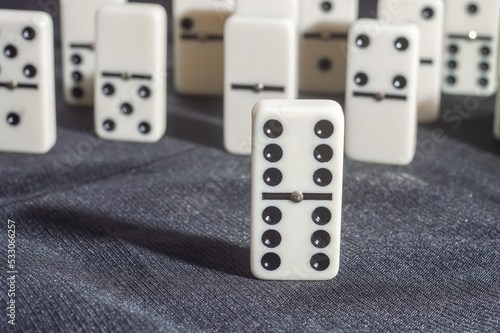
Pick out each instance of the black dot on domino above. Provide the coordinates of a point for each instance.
(325, 65)
(108, 89)
(451, 80)
(472, 8)
(323, 129)
(326, 6)
(452, 64)
(13, 119)
(361, 79)
(187, 23)
(77, 92)
(323, 153)
(320, 262)
(126, 109)
(29, 71)
(453, 49)
(10, 51)
(401, 44)
(427, 13)
(144, 92)
(321, 216)
(273, 129)
(271, 238)
(271, 261)
(77, 76)
(28, 33)
(76, 59)
(483, 82)
(273, 177)
(362, 41)
(144, 128)
(323, 177)
(485, 51)
(320, 239)
(108, 125)
(273, 153)
(272, 215)
(399, 82)
(484, 66)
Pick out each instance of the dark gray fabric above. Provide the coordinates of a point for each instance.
(140, 238)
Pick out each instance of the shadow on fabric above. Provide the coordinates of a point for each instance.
(469, 120)
(193, 249)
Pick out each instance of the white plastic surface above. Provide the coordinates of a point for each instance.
(269, 8)
(132, 41)
(34, 108)
(323, 27)
(198, 45)
(431, 48)
(470, 33)
(381, 120)
(258, 50)
(77, 36)
(298, 164)
(496, 129)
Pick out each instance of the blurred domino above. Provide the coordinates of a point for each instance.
(323, 27)
(131, 87)
(429, 16)
(471, 47)
(199, 46)
(77, 40)
(27, 88)
(497, 118)
(260, 63)
(381, 96)
(274, 8)
(297, 162)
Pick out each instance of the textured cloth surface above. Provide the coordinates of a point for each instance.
(142, 238)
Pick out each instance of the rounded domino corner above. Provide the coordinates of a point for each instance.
(42, 18)
(46, 145)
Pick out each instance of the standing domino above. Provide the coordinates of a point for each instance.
(78, 37)
(429, 16)
(381, 100)
(131, 87)
(496, 130)
(199, 46)
(27, 88)
(297, 162)
(471, 47)
(323, 27)
(260, 63)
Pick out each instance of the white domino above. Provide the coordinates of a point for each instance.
(131, 86)
(323, 27)
(260, 63)
(27, 88)
(77, 41)
(496, 129)
(471, 47)
(381, 92)
(274, 8)
(297, 162)
(198, 45)
(429, 16)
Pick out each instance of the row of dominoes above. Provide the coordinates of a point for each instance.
(254, 52)
(115, 56)
(392, 68)
(116, 59)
